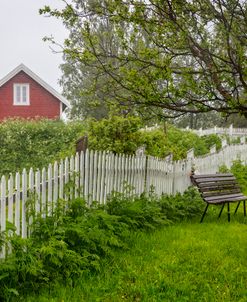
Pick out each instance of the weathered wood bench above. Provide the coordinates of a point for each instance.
(219, 189)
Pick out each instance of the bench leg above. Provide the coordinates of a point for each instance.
(221, 210)
(204, 213)
(244, 208)
(228, 211)
(237, 207)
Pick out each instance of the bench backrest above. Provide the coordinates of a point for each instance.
(216, 184)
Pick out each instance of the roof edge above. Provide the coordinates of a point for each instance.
(35, 77)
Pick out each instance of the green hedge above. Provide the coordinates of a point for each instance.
(124, 135)
(26, 144)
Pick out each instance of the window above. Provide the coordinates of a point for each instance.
(21, 94)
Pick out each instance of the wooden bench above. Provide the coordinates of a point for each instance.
(219, 189)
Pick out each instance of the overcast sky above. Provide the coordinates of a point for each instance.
(21, 33)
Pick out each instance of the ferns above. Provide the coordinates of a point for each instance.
(74, 241)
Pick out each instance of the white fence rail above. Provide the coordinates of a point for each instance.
(94, 175)
(221, 131)
(215, 130)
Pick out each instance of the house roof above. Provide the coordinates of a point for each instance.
(36, 78)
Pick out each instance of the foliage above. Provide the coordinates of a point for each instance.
(177, 142)
(26, 144)
(117, 134)
(236, 120)
(184, 262)
(75, 239)
(199, 120)
(209, 120)
(180, 56)
(74, 80)
(123, 135)
(182, 206)
(211, 140)
(174, 141)
(148, 210)
(240, 172)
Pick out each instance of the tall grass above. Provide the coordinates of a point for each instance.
(184, 262)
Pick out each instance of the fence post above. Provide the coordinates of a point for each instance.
(3, 212)
(200, 132)
(190, 154)
(24, 199)
(231, 130)
(224, 143)
(213, 149)
(242, 140)
(146, 173)
(191, 159)
(173, 177)
(82, 144)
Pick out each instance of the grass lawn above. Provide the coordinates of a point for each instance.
(183, 262)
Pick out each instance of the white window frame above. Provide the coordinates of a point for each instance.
(21, 103)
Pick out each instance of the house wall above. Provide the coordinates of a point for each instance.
(42, 102)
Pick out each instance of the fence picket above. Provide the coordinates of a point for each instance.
(37, 191)
(10, 199)
(49, 195)
(82, 174)
(94, 177)
(72, 176)
(90, 180)
(43, 192)
(99, 176)
(77, 168)
(55, 185)
(66, 178)
(31, 197)
(17, 203)
(107, 176)
(102, 182)
(3, 212)
(61, 180)
(86, 179)
(24, 200)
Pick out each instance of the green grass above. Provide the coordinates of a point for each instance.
(183, 262)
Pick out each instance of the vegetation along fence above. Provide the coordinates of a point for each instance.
(93, 175)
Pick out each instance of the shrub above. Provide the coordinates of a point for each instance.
(26, 144)
(123, 135)
(240, 172)
(117, 134)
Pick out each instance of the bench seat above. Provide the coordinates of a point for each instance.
(219, 189)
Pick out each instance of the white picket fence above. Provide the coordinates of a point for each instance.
(231, 131)
(221, 131)
(94, 175)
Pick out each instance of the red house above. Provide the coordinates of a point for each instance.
(24, 94)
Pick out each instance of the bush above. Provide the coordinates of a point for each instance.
(26, 144)
(240, 172)
(123, 135)
(117, 134)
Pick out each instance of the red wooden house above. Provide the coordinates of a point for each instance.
(23, 94)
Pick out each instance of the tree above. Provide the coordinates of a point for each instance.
(76, 80)
(199, 120)
(178, 56)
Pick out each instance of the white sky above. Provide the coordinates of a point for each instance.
(21, 33)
